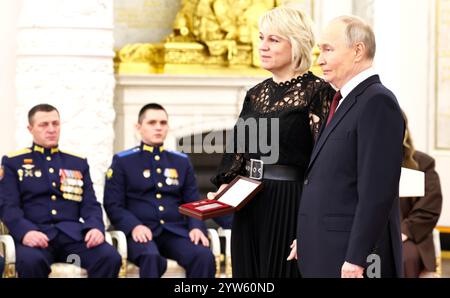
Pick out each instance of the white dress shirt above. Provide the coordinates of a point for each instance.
(355, 81)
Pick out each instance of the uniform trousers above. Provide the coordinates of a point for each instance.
(100, 261)
(150, 257)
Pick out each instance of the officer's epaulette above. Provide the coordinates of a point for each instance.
(128, 152)
(19, 152)
(178, 153)
(72, 154)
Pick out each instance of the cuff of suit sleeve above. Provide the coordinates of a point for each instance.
(197, 224)
(358, 257)
(128, 227)
(19, 230)
(89, 225)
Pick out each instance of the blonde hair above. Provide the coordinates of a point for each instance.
(358, 30)
(408, 148)
(296, 26)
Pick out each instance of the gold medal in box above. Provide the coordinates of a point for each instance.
(171, 176)
(71, 185)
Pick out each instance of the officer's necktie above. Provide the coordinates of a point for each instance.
(334, 104)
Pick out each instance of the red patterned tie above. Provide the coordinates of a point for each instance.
(334, 104)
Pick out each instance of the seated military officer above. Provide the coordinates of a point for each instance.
(144, 187)
(2, 266)
(50, 207)
(2, 261)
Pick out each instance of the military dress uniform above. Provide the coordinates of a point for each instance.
(144, 186)
(51, 191)
(2, 260)
(2, 266)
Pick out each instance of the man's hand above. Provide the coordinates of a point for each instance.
(212, 195)
(35, 239)
(351, 271)
(94, 238)
(197, 235)
(142, 234)
(293, 254)
(404, 237)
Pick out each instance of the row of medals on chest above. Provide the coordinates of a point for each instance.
(170, 174)
(71, 181)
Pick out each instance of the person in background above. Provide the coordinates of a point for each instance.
(419, 215)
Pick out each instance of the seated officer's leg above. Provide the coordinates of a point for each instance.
(197, 260)
(147, 257)
(2, 266)
(100, 261)
(33, 262)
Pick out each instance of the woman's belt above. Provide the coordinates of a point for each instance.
(256, 169)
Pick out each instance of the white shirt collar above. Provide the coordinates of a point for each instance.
(355, 81)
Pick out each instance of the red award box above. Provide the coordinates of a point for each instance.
(232, 198)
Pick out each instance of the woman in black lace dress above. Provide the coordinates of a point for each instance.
(295, 102)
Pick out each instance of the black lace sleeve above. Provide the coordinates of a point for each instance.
(232, 164)
(319, 107)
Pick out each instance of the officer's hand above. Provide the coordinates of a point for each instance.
(293, 254)
(197, 235)
(142, 234)
(94, 238)
(211, 195)
(35, 239)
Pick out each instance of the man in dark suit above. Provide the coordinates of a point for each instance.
(50, 207)
(144, 187)
(348, 223)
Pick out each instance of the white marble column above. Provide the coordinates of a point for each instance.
(404, 33)
(65, 58)
(9, 12)
(364, 9)
(326, 10)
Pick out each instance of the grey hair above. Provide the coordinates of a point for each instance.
(296, 26)
(357, 30)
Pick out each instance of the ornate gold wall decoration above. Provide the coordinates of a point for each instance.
(208, 37)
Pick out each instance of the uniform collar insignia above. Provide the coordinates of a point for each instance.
(42, 150)
(38, 149)
(148, 148)
(152, 149)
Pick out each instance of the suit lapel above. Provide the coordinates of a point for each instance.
(348, 103)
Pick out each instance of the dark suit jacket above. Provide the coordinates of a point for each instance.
(420, 215)
(349, 207)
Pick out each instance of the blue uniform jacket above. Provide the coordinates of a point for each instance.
(145, 185)
(48, 190)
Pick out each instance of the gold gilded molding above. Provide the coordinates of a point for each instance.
(208, 37)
